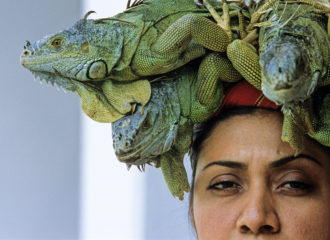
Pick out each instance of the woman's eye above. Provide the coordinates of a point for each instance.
(295, 187)
(225, 186)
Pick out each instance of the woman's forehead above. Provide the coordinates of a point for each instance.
(249, 138)
(245, 133)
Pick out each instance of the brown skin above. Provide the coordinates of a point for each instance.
(249, 185)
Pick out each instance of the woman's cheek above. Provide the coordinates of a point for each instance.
(213, 220)
(306, 221)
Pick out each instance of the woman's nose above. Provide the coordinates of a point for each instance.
(258, 215)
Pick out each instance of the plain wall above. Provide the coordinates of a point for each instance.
(39, 131)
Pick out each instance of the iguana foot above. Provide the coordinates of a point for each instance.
(255, 17)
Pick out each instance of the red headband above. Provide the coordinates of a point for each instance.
(244, 94)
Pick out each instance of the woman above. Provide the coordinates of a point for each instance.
(248, 184)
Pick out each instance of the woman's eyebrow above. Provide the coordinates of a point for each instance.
(286, 160)
(275, 164)
(230, 164)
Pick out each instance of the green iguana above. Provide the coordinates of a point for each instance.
(294, 61)
(108, 61)
(162, 135)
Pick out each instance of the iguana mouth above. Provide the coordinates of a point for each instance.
(139, 139)
(137, 155)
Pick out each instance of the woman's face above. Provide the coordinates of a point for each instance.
(250, 185)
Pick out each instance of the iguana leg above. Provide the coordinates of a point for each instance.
(191, 27)
(214, 67)
(292, 134)
(245, 60)
(321, 119)
(224, 21)
(174, 173)
(170, 49)
(296, 123)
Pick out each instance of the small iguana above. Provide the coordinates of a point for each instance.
(162, 135)
(108, 61)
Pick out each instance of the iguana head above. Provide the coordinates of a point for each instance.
(286, 73)
(84, 52)
(80, 59)
(141, 137)
(294, 55)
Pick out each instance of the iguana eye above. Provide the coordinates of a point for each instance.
(57, 43)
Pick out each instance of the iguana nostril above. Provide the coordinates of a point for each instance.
(24, 54)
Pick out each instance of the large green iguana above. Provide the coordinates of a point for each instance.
(108, 61)
(162, 134)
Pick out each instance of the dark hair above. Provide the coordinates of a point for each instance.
(203, 130)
